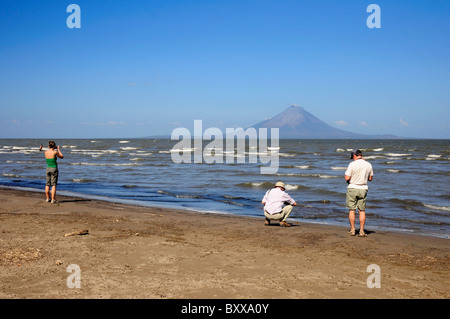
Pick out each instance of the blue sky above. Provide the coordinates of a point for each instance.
(142, 67)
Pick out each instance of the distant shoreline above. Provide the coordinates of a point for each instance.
(168, 137)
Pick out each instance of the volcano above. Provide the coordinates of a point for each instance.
(296, 122)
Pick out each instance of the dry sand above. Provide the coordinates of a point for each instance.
(141, 252)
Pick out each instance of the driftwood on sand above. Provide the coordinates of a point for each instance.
(78, 232)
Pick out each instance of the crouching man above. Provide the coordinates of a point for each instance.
(277, 205)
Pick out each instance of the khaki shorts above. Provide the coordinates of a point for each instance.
(52, 176)
(281, 216)
(356, 198)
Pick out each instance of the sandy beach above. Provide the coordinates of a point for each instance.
(152, 253)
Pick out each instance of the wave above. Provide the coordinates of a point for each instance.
(302, 166)
(230, 202)
(106, 164)
(179, 195)
(308, 175)
(438, 207)
(179, 150)
(338, 168)
(410, 204)
(397, 154)
(232, 197)
(130, 148)
(141, 153)
(82, 180)
(94, 152)
(269, 185)
(22, 162)
(286, 155)
(257, 185)
(12, 175)
(432, 157)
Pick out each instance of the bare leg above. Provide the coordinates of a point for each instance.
(47, 192)
(351, 218)
(362, 220)
(53, 192)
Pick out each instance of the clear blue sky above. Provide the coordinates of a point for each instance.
(143, 67)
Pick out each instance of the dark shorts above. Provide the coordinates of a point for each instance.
(356, 198)
(52, 176)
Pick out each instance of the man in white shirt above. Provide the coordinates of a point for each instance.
(358, 173)
(277, 205)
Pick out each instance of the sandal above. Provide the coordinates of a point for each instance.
(362, 234)
(267, 222)
(352, 232)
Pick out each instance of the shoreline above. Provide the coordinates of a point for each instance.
(161, 205)
(133, 251)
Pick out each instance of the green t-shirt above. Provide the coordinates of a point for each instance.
(51, 162)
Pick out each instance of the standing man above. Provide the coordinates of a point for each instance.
(51, 172)
(277, 205)
(357, 174)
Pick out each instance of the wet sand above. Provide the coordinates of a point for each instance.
(153, 253)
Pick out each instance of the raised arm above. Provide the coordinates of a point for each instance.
(58, 153)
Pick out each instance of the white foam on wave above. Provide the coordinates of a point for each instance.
(10, 175)
(326, 176)
(338, 168)
(175, 150)
(445, 208)
(141, 154)
(94, 152)
(393, 170)
(302, 166)
(21, 162)
(397, 154)
(286, 155)
(105, 164)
